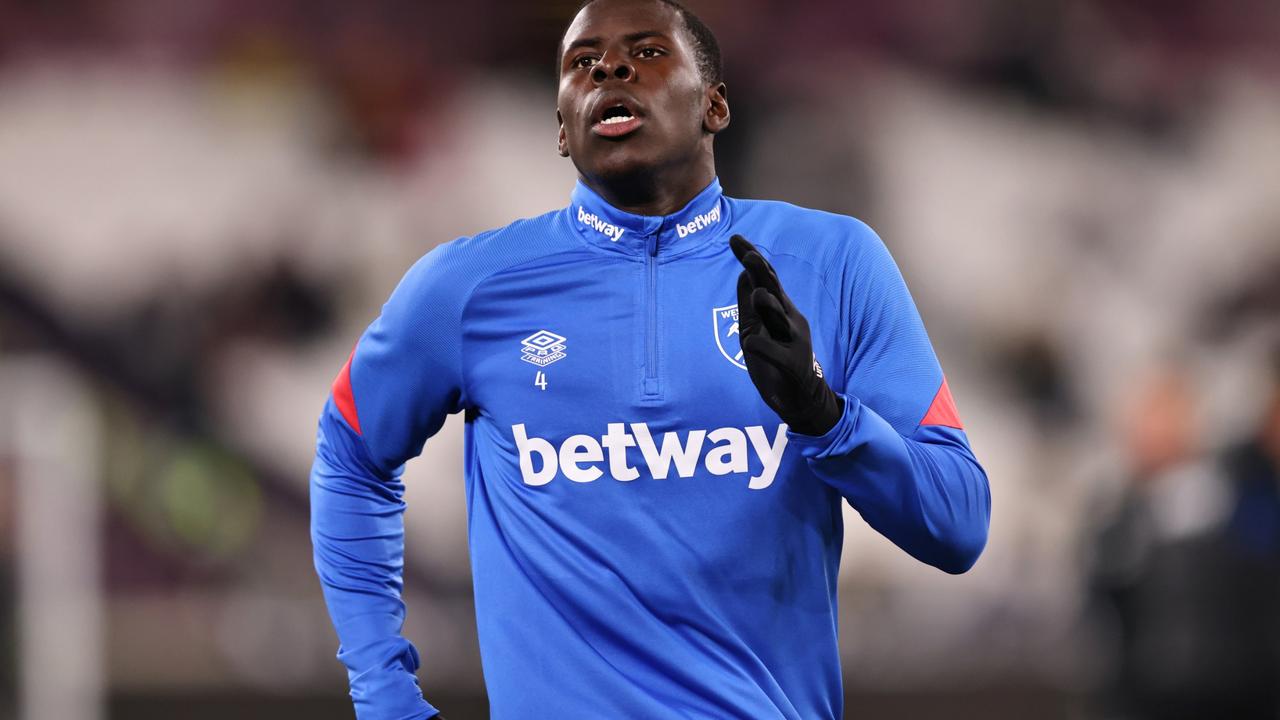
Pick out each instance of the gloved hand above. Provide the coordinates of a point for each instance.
(777, 349)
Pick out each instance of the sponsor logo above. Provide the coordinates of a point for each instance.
(584, 458)
(724, 324)
(597, 223)
(700, 222)
(542, 348)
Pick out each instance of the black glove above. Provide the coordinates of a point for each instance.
(777, 350)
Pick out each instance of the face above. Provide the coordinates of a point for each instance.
(631, 98)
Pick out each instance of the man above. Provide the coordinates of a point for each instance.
(1184, 575)
(658, 436)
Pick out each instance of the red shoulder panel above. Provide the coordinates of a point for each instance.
(343, 397)
(943, 410)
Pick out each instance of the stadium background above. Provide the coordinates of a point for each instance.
(202, 204)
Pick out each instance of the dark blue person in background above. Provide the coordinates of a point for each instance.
(1184, 566)
(669, 393)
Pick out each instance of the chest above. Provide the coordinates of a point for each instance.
(615, 340)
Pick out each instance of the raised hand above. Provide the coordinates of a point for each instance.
(777, 349)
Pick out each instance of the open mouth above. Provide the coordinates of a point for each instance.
(616, 114)
(616, 120)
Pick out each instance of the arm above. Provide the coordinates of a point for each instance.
(908, 468)
(401, 381)
(925, 492)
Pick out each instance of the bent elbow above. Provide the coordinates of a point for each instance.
(966, 542)
(963, 552)
(957, 548)
(968, 537)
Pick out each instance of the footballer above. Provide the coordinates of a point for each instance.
(669, 393)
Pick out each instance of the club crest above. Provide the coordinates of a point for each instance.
(724, 322)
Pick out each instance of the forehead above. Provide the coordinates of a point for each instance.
(608, 19)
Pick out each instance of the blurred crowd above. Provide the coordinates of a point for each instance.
(1184, 563)
(202, 204)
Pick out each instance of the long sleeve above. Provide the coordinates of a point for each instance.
(899, 453)
(926, 493)
(357, 534)
(402, 379)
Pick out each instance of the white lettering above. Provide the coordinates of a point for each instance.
(580, 449)
(526, 447)
(599, 224)
(616, 441)
(728, 450)
(699, 222)
(731, 457)
(770, 455)
(659, 461)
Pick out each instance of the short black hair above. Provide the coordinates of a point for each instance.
(705, 47)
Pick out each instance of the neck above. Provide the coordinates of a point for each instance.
(654, 191)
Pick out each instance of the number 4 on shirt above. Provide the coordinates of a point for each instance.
(540, 380)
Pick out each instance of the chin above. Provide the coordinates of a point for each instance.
(621, 164)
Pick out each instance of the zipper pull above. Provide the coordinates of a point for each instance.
(653, 245)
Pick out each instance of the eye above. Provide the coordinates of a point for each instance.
(650, 52)
(584, 61)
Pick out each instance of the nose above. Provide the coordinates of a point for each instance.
(612, 67)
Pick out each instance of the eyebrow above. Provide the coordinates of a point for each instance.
(629, 37)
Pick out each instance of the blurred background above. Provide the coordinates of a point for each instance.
(203, 203)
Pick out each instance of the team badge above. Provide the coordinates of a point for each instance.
(724, 322)
(542, 348)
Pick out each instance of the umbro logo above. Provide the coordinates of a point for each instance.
(542, 348)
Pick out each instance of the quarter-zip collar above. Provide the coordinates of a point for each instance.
(704, 218)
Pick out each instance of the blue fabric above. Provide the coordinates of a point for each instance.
(647, 538)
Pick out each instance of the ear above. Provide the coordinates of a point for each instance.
(561, 141)
(717, 117)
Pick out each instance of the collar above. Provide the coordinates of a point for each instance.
(704, 218)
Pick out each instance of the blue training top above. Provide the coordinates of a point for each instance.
(647, 539)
